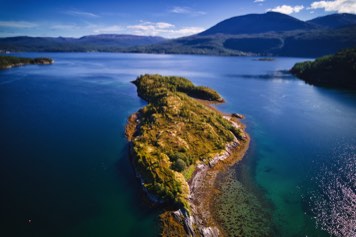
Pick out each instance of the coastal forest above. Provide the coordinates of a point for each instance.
(338, 70)
(11, 61)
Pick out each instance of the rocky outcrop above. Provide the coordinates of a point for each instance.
(236, 115)
(202, 186)
(210, 232)
(182, 216)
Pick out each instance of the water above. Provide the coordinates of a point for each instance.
(64, 163)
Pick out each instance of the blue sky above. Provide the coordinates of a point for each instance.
(167, 18)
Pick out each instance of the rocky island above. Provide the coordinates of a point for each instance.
(11, 61)
(178, 145)
(338, 70)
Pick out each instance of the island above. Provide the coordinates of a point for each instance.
(11, 61)
(178, 144)
(338, 70)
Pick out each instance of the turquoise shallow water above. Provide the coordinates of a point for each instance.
(64, 163)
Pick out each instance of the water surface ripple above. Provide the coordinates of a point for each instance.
(64, 169)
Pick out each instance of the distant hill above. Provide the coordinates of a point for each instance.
(298, 43)
(334, 20)
(120, 40)
(104, 42)
(337, 70)
(270, 34)
(267, 34)
(258, 23)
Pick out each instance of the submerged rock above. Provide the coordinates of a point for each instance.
(210, 232)
(236, 115)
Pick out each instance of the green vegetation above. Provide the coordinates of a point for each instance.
(173, 133)
(337, 70)
(11, 61)
(174, 84)
(188, 172)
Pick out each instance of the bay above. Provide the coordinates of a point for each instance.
(64, 169)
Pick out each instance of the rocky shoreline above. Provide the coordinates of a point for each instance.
(202, 189)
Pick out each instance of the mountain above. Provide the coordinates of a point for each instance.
(298, 43)
(319, 42)
(103, 42)
(258, 23)
(268, 34)
(334, 20)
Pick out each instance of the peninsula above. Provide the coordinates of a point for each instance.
(178, 144)
(338, 70)
(11, 61)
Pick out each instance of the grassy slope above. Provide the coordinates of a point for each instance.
(337, 70)
(10, 61)
(174, 132)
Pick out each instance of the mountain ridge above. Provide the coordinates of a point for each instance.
(258, 23)
(101, 42)
(267, 34)
(334, 20)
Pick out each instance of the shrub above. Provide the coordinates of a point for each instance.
(179, 165)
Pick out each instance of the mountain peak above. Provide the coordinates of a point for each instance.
(258, 23)
(334, 20)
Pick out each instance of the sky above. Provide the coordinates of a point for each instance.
(166, 18)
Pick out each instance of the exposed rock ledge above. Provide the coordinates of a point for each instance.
(202, 190)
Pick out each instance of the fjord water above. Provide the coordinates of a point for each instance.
(64, 169)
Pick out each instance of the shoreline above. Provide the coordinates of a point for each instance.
(202, 184)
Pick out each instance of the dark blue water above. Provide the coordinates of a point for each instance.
(64, 163)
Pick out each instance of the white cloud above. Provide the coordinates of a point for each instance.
(187, 11)
(150, 28)
(163, 25)
(259, 1)
(81, 14)
(185, 31)
(340, 6)
(87, 29)
(163, 29)
(286, 9)
(17, 24)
